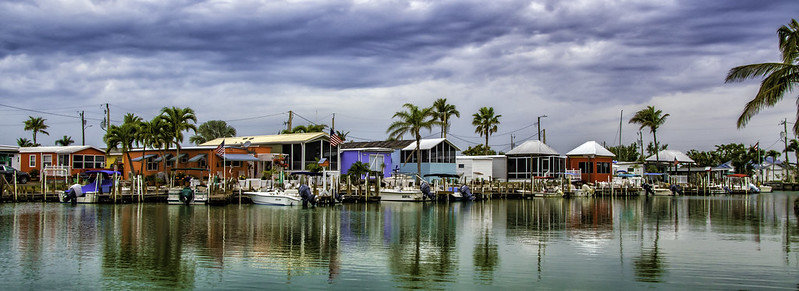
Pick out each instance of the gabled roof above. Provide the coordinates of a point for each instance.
(269, 139)
(669, 156)
(391, 144)
(590, 148)
(426, 144)
(532, 147)
(56, 149)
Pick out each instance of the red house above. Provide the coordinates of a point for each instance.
(73, 158)
(594, 161)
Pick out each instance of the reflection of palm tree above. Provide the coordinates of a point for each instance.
(650, 266)
(486, 257)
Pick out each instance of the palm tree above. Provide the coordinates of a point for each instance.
(211, 130)
(24, 142)
(178, 120)
(158, 137)
(793, 146)
(413, 121)
(485, 122)
(305, 128)
(774, 154)
(443, 112)
(653, 119)
(65, 141)
(120, 137)
(342, 135)
(36, 124)
(778, 78)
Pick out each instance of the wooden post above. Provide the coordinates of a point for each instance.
(377, 187)
(349, 186)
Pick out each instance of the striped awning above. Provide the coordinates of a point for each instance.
(144, 157)
(197, 158)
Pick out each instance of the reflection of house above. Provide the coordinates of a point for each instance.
(535, 155)
(75, 158)
(378, 159)
(492, 167)
(593, 160)
(9, 156)
(438, 157)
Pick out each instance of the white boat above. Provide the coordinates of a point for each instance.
(275, 197)
(765, 189)
(101, 181)
(401, 194)
(200, 196)
(662, 191)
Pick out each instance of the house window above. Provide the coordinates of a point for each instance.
(586, 167)
(152, 165)
(184, 159)
(375, 163)
(63, 160)
(77, 162)
(99, 162)
(233, 164)
(47, 161)
(461, 166)
(88, 162)
(603, 168)
(32, 161)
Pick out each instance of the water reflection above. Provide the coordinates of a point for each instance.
(656, 240)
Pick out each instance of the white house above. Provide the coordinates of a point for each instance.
(491, 167)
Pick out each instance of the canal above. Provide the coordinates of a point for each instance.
(718, 242)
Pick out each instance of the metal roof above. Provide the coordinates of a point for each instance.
(590, 148)
(370, 149)
(269, 139)
(426, 144)
(669, 156)
(532, 147)
(392, 144)
(56, 149)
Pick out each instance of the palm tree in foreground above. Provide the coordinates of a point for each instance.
(653, 119)
(36, 125)
(443, 113)
(778, 78)
(412, 122)
(65, 141)
(178, 120)
(485, 123)
(120, 137)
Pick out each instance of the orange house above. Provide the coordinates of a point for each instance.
(593, 160)
(75, 159)
(198, 161)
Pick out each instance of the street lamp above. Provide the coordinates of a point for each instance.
(539, 126)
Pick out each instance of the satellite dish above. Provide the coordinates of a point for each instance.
(247, 144)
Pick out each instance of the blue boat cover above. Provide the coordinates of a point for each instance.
(241, 157)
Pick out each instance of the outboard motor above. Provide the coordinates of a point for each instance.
(676, 190)
(466, 193)
(306, 195)
(186, 195)
(648, 189)
(71, 195)
(426, 190)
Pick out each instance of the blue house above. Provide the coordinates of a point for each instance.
(380, 155)
(438, 157)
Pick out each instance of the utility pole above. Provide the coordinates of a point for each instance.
(621, 115)
(107, 117)
(641, 142)
(539, 126)
(512, 144)
(333, 123)
(82, 129)
(545, 135)
(291, 115)
(785, 139)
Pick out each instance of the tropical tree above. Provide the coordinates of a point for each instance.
(624, 153)
(653, 119)
(485, 123)
(443, 112)
(342, 135)
(211, 130)
(157, 136)
(652, 150)
(793, 146)
(412, 121)
(24, 142)
(778, 78)
(478, 150)
(65, 141)
(305, 128)
(120, 137)
(178, 120)
(36, 125)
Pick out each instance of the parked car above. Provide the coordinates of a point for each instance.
(8, 172)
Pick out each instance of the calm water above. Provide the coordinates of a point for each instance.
(734, 242)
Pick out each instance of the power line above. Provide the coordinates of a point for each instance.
(255, 117)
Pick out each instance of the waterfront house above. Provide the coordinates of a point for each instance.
(297, 150)
(771, 170)
(488, 167)
(9, 156)
(378, 159)
(532, 159)
(72, 159)
(438, 157)
(593, 160)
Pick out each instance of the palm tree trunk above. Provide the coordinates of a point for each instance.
(418, 159)
(486, 145)
(143, 160)
(657, 148)
(34, 137)
(127, 153)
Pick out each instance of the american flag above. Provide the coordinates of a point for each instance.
(220, 150)
(334, 138)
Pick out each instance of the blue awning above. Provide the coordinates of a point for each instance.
(241, 157)
(161, 158)
(144, 157)
(177, 157)
(197, 158)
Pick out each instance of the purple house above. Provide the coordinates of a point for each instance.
(380, 155)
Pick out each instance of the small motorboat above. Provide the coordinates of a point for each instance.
(99, 182)
(275, 197)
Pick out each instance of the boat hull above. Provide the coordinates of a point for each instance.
(271, 198)
(87, 198)
(174, 199)
(401, 195)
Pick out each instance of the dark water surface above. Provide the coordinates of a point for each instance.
(722, 242)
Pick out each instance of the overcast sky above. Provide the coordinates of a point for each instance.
(578, 62)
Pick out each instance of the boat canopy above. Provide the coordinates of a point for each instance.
(443, 175)
(653, 174)
(737, 175)
(188, 169)
(307, 173)
(197, 158)
(625, 175)
(143, 157)
(241, 157)
(109, 172)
